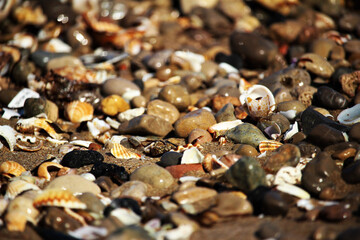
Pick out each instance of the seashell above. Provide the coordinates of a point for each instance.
(194, 59)
(119, 151)
(192, 156)
(43, 171)
(81, 143)
(259, 100)
(220, 128)
(77, 111)
(350, 116)
(294, 128)
(104, 138)
(11, 168)
(56, 45)
(88, 176)
(14, 188)
(130, 114)
(269, 145)
(310, 204)
(113, 123)
(31, 148)
(288, 175)
(97, 126)
(8, 133)
(244, 85)
(58, 198)
(126, 216)
(293, 190)
(30, 125)
(187, 146)
(89, 232)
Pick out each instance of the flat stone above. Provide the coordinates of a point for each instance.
(74, 183)
(164, 110)
(118, 86)
(246, 133)
(155, 176)
(177, 171)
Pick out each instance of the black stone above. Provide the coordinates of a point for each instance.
(80, 158)
(323, 135)
(350, 234)
(116, 173)
(351, 173)
(354, 133)
(123, 203)
(170, 159)
(329, 98)
(268, 230)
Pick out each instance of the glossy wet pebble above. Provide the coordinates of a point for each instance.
(316, 64)
(155, 176)
(118, 86)
(246, 150)
(80, 158)
(170, 159)
(246, 133)
(196, 119)
(176, 95)
(146, 125)
(324, 135)
(286, 155)
(290, 109)
(329, 98)
(164, 110)
(269, 202)
(199, 136)
(226, 113)
(246, 174)
(230, 204)
(67, 182)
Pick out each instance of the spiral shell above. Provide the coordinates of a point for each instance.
(58, 198)
(43, 171)
(269, 145)
(14, 188)
(119, 151)
(78, 111)
(11, 168)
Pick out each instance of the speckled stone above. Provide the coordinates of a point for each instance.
(196, 119)
(153, 175)
(75, 184)
(246, 133)
(164, 110)
(246, 174)
(285, 155)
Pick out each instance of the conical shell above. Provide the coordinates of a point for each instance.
(14, 188)
(78, 111)
(269, 145)
(58, 198)
(11, 168)
(119, 151)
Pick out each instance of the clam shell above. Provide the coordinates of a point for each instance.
(14, 188)
(259, 100)
(269, 145)
(11, 168)
(31, 124)
(58, 198)
(350, 116)
(97, 126)
(192, 156)
(8, 133)
(78, 111)
(220, 128)
(119, 151)
(43, 171)
(293, 190)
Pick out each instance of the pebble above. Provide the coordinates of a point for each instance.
(246, 174)
(246, 133)
(159, 59)
(246, 150)
(138, 102)
(123, 202)
(105, 183)
(169, 159)
(285, 155)
(178, 171)
(218, 102)
(349, 234)
(268, 202)
(329, 98)
(195, 199)
(80, 158)
(114, 104)
(93, 203)
(316, 64)
(351, 173)
(176, 95)
(62, 62)
(230, 204)
(133, 189)
(354, 133)
(335, 213)
(164, 110)
(226, 113)
(118, 174)
(129, 232)
(66, 182)
(324, 135)
(196, 119)
(268, 230)
(60, 221)
(155, 176)
(36, 106)
(290, 109)
(118, 86)
(146, 125)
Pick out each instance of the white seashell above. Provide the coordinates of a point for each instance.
(310, 204)
(194, 59)
(130, 94)
(303, 162)
(113, 123)
(244, 86)
(56, 141)
(259, 100)
(81, 143)
(14, 188)
(130, 114)
(183, 231)
(119, 151)
(288, 175)
(289, 114)
(8, 133)
(89, 176)
(9, 113)
(126, 216)
(188, 179)
(56, 45)
(350, 116)
(97, 126)
(294, 128)
(220, 128)
(25, 138)
(293, 190)
(118, 139)
(191, 156)
(89, 232)
(228, 68)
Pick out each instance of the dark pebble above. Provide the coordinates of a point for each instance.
(80, 158)
(105, 183)
(354, 133)
(268, 230)
(351, 173)
(170, 159)
(329, 98)
(123, 203)
(350, 234)
(268, 202)
(116, 173)
(335, 213)
(324, 135)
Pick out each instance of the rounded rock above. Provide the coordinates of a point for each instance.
(155, 176)
(176, 95)
(118, 86)
(229, 204)
(164, 110)
(246, 150)
(75, 184)
(80, 158)
(226, 113)
(246, 133)
(169, 159)
(330, 98)
(114, 104)
(285, 155)
(199, 136)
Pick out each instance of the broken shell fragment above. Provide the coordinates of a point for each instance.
(119, 151)
(269, 145)
(293, 190)
(350, 116)
(78, 111)
(259, 100)
(58, 198)
(11, 168)
(16, 187)
(31, 125)
(8, 133)
(43, 171)
(220, 128)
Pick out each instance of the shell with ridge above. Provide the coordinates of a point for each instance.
(30, 125)
(58, 198)
(77, 111)
(269, 145)
(119, 151)
(8, 133)
(18, 186)
(43, 170)
(11, 168)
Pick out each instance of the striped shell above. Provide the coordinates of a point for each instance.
(119, 151)
(269, 145)
(11, 168)
(43, 171)
(78, 111)
(14, 188)
(58, 198)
